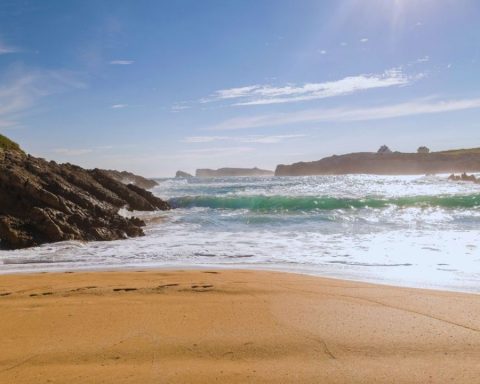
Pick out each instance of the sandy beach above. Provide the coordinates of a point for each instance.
(235, 326)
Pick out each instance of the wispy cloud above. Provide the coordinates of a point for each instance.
(267, 94)
(259, 139)
(67, 152)
(364, 40)
(423, 59)
(72, 151)
(6, 48)
(412, 108)
(24, 87)
(122, 62)
(119, 106)
(179, 107)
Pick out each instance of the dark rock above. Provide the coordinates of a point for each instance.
(43, 202)
(464, 177)
(130, 178)
(182, 175)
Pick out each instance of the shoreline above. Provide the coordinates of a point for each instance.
(236, 267)
(198, 326)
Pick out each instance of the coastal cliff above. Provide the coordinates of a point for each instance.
(225, 172)
(43, 202)
(388, 163)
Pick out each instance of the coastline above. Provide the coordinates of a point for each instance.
(299, 270)
(233, 326)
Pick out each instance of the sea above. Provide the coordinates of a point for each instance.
(415, 231)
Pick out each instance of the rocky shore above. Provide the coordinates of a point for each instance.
(130, 178)
(464, 177)
(42, 201)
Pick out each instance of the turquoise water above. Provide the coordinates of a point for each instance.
(405, 230)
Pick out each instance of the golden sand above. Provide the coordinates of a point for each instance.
(231, 327)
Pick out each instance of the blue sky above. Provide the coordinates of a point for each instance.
(157, 86)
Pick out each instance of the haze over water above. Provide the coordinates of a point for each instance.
(406, 230)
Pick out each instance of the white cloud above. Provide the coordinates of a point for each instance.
(323, 52)
(122, 62)
(364, 40)
(412, 108)
(267, 94)
(343, 44)
(119, 106)
(260, 139)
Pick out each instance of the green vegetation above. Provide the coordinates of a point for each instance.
(6, 143)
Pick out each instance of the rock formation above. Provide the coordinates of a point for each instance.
(225, 172)
(464, 177)
(182, 175)
(130, 178)
(467, 160)
(43, 202)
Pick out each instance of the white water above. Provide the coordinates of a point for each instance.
(431, 239)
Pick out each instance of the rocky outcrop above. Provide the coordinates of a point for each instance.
(43, 202)
(130, 178)
(464, 177)
(182, 175)
(395, 163)
(225, 172)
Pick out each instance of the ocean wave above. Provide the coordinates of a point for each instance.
(311, 203)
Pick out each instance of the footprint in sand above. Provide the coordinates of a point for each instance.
(201, 288)
(6, 294)
(124, 289)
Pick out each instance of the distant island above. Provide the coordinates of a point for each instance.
(182, 175)
(224, 172)
(386, 162)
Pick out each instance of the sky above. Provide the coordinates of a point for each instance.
(158, 86)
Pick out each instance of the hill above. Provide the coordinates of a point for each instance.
(394, 163)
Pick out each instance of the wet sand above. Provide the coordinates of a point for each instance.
(232, 327)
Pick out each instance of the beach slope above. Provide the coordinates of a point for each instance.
(231, 327)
